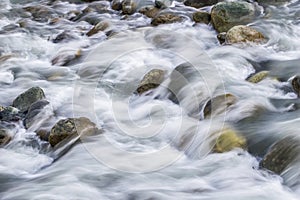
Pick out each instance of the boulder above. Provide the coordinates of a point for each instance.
(101, 26)
(69, 127)
(202, 17)
(281, 155)
(4, 137)
(116, 5)
(200, 3)
(255, 78)
(151, 80)
(30, 96)
(166, 19)
(241, 33)
(226, 15)
(227, 140)
(129, 7)
(149, 11)
(35, 109)
(218, 105)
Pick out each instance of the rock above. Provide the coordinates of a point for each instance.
(166, 19)
(226, 15)
(222, 37)
(116, 5)
(43, 134)
(228, 140)
(281, 155)
(201, 17)
(150, 11)
(26, 99)
(218, 105)
(10, 114)
(4, 137)
(272, 2)
(41, 13)
(34, 110)
(200, 3)
(151, 80)
(129, 7)
(241, 33)
(296, 85)
(64, 36)
(258, 77)
(64, 57)
(2, 108)
(71, 127)
(163, 3)
(101, 26)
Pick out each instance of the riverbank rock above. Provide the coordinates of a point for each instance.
(226, 15)
(200, 3)
(166, 19)
(4, 137)
(256, 78)
(228, 140)
(281, 155)
(26, 99)
(129, 7)
(150, 11)
(151, 80)
(202, 17)
(296, 85)
(218, 105)
(35, 109)
(241, 33)
(71, 127)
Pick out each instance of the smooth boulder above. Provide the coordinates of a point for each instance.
(151, 80)
(242, 34)
(226, 15)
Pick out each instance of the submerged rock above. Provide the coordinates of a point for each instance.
(26, 99)
(200, 3)
(163, 3)
(63, 58)
(218, 105)
(202, 17)
(151, 80)
(228, 140)
(34, 110)
(4, 137)
(256, 78)
(281, 155)
(241, 33)
(66, 128)
(226, 15)
(101, 26)
(166, 19)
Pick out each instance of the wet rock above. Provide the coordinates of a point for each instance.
(151, 80)
(272, 2)
(101, 26)
(62, 37)
(228, 140)
(241, 33)
(256, 78)
(4, 137)
(41, 13)
(201, 17)
(200, 3)
(166, 19)
(10, 114)
(116, 5)
(63, 58)
(150, 11)
(129, 7)
(218, 105)
(35, 109)
(26, 99)
(66, 128)
(163, 3)
(226, 15)
(296, 85)
(43, 134)
(281, 155)
(222, 37)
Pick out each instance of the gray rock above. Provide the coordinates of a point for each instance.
(71, 127)
(10, 114)
(33, 111)
(151, 80)
(24, 100)
(226, 15)
(200, 3)
(163, 3)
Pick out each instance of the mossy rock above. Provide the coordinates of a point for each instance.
(256, 78)
(151, 80)
(69, 127)
(166, 19)
(242, 34)
(228, 140)
(226, 15)
(201, 17)
(30, 96)
(281, 155)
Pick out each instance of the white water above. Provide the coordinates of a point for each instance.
(151, 148)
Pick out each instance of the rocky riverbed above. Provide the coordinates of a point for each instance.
(149, 99)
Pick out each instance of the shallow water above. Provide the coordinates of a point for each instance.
(151, 148)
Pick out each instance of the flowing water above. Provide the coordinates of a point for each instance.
(151, 148)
